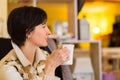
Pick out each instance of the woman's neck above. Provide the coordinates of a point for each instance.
(29, 51)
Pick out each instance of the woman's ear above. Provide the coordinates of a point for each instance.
(28, 35)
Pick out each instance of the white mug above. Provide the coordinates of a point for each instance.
(71, 48)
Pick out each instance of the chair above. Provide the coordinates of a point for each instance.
(5, 46)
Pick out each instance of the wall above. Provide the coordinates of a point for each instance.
(101, 15)
(3, 18)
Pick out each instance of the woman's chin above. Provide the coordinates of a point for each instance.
(44, 45)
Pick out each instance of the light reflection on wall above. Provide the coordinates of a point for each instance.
(101, 14)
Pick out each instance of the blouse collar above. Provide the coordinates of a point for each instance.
(40, 55)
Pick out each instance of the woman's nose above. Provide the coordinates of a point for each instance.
(48, 31)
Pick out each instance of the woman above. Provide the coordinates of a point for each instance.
(28, 30)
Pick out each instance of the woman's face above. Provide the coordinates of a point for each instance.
(39, 35)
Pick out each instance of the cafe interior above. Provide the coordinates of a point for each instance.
(91, 25)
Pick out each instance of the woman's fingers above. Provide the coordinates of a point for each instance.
(64, 54)
(59, 56)
(60, 46)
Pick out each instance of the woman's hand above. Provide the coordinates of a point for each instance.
(56, 58)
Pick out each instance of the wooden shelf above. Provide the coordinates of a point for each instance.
(81, 41)
(112, 53)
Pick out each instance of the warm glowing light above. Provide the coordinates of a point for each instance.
(96, 30)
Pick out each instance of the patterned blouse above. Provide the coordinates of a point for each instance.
(15, 66)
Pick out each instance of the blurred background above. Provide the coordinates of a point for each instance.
(100, 14)
(98, 20)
